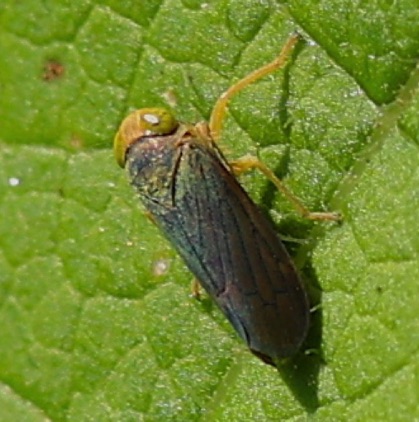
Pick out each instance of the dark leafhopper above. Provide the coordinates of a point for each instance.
(230, 246)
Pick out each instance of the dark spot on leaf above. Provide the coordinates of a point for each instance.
(52, 70)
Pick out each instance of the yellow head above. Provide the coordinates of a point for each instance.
(142, 122)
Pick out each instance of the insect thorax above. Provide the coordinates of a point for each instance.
(151, 164)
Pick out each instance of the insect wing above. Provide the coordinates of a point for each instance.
(233, 250)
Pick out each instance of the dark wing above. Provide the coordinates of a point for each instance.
(234, 251)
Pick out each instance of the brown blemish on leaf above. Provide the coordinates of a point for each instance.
(52, 70)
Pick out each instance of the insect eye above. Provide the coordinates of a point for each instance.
(142, 122)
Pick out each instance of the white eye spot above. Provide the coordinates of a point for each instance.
(152, 119)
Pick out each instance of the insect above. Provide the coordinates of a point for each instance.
(231, 247)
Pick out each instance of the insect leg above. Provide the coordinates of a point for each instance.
(150, 217)
(196, 289)
(220, 108)
(250, 162)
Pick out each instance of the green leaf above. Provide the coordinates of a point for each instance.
(95, 314)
